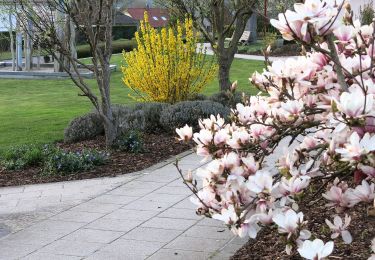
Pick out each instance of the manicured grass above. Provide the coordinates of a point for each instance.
(37, 111)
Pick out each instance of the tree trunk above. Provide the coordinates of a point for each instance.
(225, 64)
(19, 51)
(11, 41)
(111, 132)
(110, 124)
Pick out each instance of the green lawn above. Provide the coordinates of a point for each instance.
(37, 111)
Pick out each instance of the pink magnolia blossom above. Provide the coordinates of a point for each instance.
(262, 181)
(185, 133)
(293, 107)
(345, 33)
(294, 185)
(372, 257)
(303, 127)
(357, 147)
(354, 105)
(238, 138)
(250, 164)
(363, 193)
(337, 197)
(227, 215)
(338, 227)
(315, 250)
(288, 222)
(231, 160)
(203, 137)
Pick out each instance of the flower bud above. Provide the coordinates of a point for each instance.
(234, 86)
(189, 177)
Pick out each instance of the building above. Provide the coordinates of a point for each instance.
(126, 20)
(158, 17)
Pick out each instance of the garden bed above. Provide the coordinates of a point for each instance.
(156, 149)
(269, 245)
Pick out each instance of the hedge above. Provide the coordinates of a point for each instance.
(83, 51)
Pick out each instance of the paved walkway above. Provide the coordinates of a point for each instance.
(209, 51)
(144, 215)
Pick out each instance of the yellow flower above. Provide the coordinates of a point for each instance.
(167, 66)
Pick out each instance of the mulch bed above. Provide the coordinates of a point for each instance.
(269, 245)
(157, 148)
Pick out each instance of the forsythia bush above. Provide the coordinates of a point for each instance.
(323, 105)
(167, 67)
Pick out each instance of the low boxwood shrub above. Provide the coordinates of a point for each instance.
(21, 157)
(84, 128)
(62, 162)
(197, 96)
(151, 113)
(227, 98)
(189, 112)
(131, 141)
(128, 118)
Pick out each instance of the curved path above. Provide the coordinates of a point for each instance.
(143, 215)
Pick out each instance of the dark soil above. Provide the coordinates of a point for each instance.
(157, 148)
(269, 244)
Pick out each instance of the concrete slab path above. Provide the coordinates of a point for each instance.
(144, 215)
(209, 51)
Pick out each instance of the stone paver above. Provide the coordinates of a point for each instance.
(143, 215)
(246, 56)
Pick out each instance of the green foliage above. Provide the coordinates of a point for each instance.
(227, 98)
(51, 159)
(197, 96)
(84, 51)
(367, 13)
(21, 157)
(62, 162)
(269, 39)
(127, 118)
(189, 112)
(123, 32)
(130, 142)
(151, 112)
(84, 128)
(38, 111)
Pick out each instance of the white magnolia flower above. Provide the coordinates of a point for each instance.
(355, 104)
(372, 257)
(250, 163)
(228, 216)
(363, 193)
(262, 181)
(203, 137)
(315, 250)
(288, 222)
(293, 107)
(357, 147)
(185, 133)
(338, 227)
(294, 185)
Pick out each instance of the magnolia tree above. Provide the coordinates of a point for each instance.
(322, 103)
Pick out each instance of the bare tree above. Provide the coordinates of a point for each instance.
(7, 13)
(211, 18)
(53, 23)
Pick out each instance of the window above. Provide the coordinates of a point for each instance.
(163, 18)
(155, 18)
